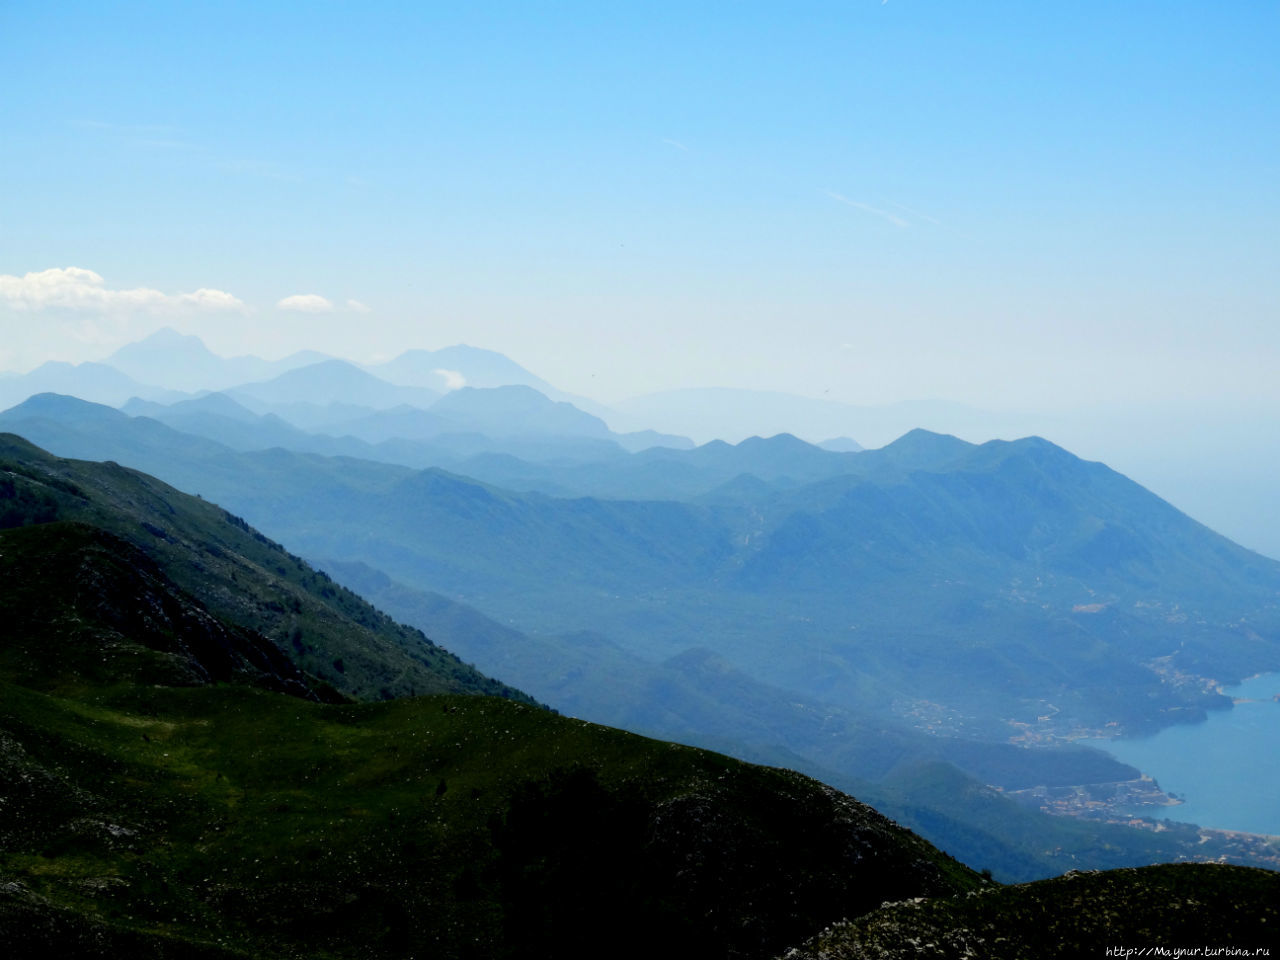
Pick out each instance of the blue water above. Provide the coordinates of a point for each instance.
(1227, 769)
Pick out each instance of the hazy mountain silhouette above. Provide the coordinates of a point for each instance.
(464, 366)
(732, 414)
(220, 418)
(1039, 577)
(465, 423)
(841, 445)
(94, 382)
(329, 381)
(516, 411)
(182, 362)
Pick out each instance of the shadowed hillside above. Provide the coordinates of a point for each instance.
(214, 566)
(1188, 907)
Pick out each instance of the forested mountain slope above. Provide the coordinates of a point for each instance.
(200, 562)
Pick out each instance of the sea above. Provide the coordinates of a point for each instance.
(1227, 769)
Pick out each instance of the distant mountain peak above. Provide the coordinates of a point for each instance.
(330, 365)
(52, 365)
(167, 336)
(330, 381)
(841, 445)
(921, 444)
(475, 366)
(62, 406)
(182, 361)
(777, 443)
(920, 434)
(503, 395)
(164, 341)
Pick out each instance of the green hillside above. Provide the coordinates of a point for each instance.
(443, 826)
(226, 572)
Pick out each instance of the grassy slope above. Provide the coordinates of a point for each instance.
(276, 826)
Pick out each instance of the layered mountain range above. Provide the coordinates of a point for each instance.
(929, 624)
(210, 750)
(872, 577)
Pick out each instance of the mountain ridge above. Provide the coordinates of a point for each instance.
(940, 545)
(150, 816)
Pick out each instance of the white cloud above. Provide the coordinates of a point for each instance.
(75, 288)
(453, 380)
(306, 303)
(206, 299)
(355, 306)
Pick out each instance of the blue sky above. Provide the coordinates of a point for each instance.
(1015, 205)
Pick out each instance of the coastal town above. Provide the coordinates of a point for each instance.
(1121, 802)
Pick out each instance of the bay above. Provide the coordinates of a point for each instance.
(1227, 769)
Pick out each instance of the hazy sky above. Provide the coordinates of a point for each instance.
(1015, 205)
